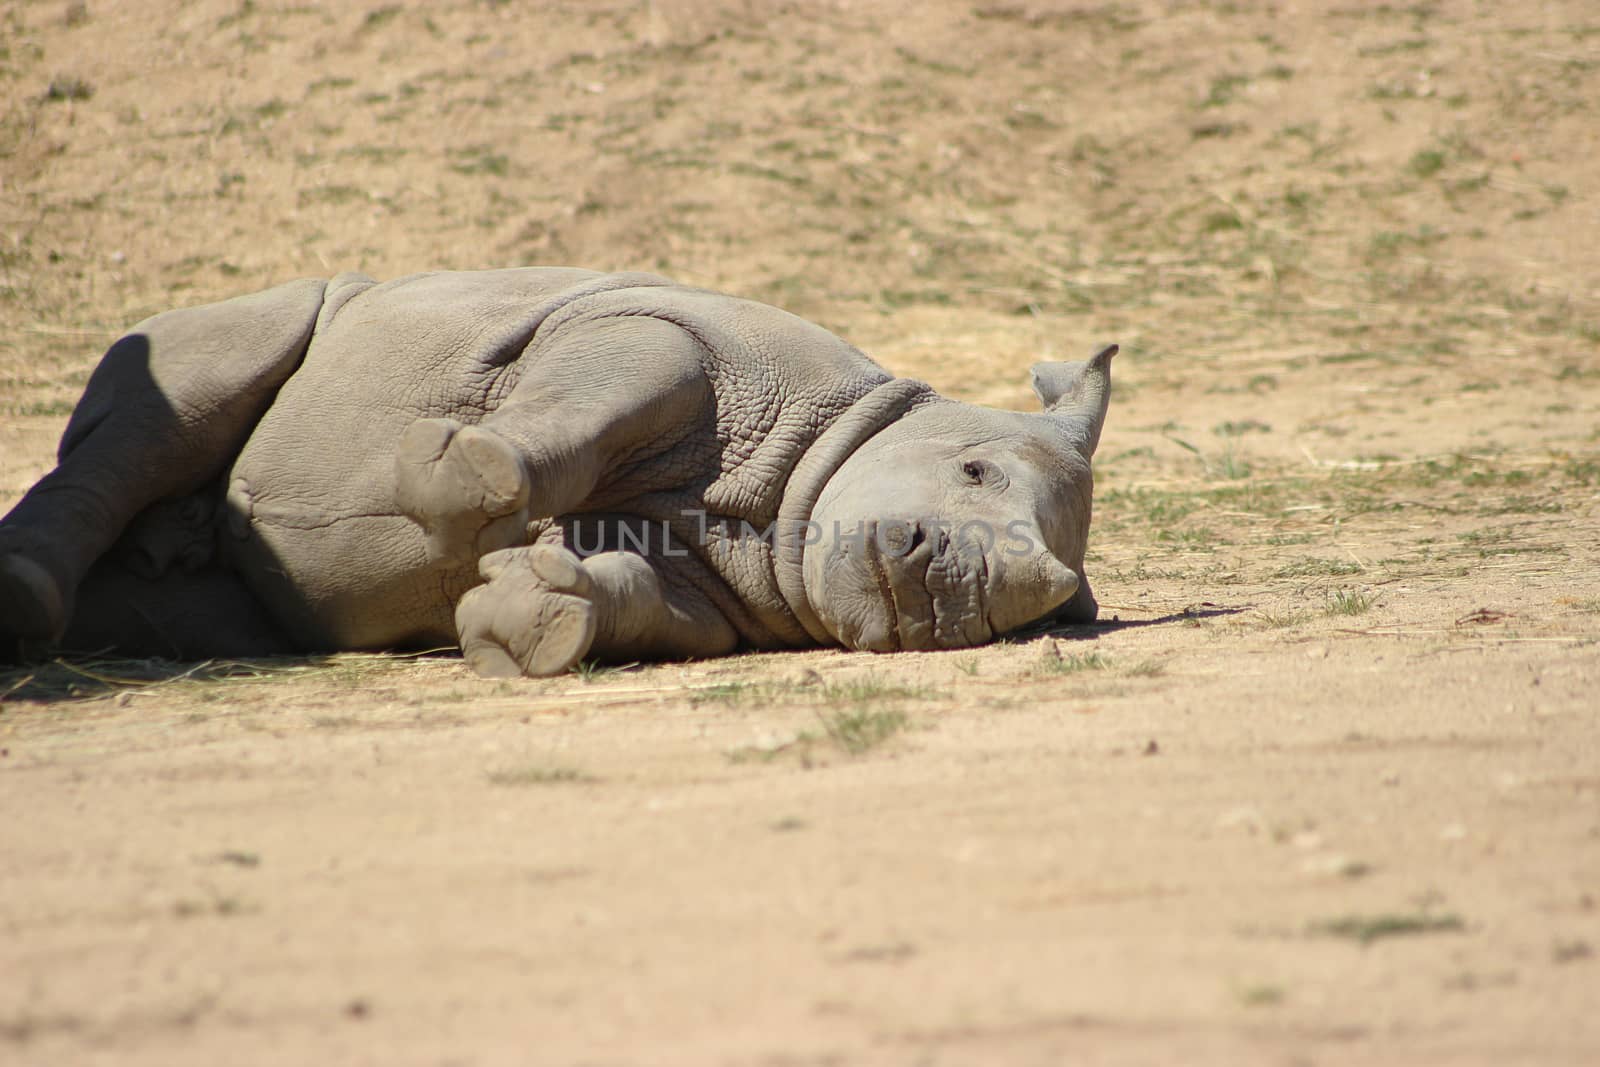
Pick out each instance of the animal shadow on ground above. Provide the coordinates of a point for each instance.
(1092, 631)
(92, 677)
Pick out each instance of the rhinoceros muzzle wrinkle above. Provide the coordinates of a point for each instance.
(976, 626)
(893, 637)
(932, 589)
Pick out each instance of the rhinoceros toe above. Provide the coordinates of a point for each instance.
(534, 615)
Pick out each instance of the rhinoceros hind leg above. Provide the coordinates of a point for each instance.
(535, 615)
(35, 609)
(467, 487)
(207, 613)
(165, 411)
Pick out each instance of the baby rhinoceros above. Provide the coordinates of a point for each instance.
(541, 465)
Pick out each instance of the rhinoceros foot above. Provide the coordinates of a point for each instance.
(465, 486)
(34, 606)
(534, 616)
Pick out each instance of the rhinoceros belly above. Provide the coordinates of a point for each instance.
(354, 576)
(312, 526)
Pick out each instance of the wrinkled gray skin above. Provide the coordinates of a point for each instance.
(541, 465)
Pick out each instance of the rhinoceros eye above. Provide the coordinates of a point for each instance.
(980, 472)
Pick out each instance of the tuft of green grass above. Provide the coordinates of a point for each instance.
(371, 153)
(592, 670)
(1584, 472)
(1506, 541)
(1349, 602)
(378, 16)
(1260, 994)
(853, 725)
(1275, 619)
(215, 905)
(539, 774)
(50, 408)
(853, 731)
(726, 692)
(483, 161)
(870, 688)
(1312, 567)
(862, 690)
(1523, 504)
(1229, 465)
(1389, 48)
(1148, 507)
(862, 729)
(1202, 131)
(1427, 162)
(1051, 661)
(332, 81)
(1365, 929)
(65, 87)
(1386, 244)
(1243, 426)
(1221, 222)
(239, 858)
(1224, 89)
(1194, 538)
(332, 194)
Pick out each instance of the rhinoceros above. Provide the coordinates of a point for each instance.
(540, 465)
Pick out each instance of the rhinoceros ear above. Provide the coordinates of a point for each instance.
(1077, 393)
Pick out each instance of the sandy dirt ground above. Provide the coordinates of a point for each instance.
(1321, 787)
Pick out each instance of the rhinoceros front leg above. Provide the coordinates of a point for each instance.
(604, 393)
(165, 411)
(541, 610)
(466, 486)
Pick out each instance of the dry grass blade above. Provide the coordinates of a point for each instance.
(63, 680)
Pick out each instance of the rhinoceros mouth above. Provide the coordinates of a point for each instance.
(933, 593)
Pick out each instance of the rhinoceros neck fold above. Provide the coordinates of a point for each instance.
(849, 431)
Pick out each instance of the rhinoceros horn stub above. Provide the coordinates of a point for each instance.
(1077, 394)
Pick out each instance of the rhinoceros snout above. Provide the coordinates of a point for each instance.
(920, 584)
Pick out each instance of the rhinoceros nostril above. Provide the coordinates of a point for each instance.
(898, 537)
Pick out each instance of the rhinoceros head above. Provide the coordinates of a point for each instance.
(958, 523)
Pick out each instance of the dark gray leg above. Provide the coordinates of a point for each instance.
(163, 414)
(204, 614)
